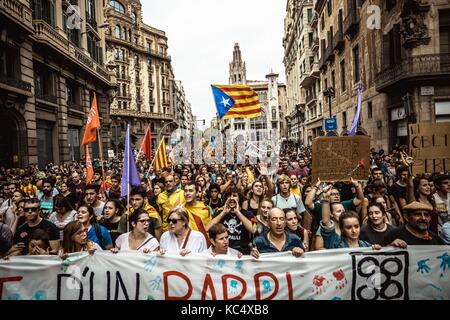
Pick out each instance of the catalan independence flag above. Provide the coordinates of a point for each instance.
(236, 101)
(160, 160)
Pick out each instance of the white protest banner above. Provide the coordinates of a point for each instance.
(420, 272)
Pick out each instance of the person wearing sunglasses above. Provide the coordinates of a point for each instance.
(180, 239)
(138, 239)
(33, 222)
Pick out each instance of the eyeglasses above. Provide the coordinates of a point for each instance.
(173, 221)
(335, 194)
(34, 209)
(144, 221)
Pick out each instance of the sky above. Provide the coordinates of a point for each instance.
(201, 36)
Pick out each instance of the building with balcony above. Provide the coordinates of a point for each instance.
(51, 63)
(402, 64)
(301, 60)
(349, 54)
(146, 87)
(273, 107)
(414, 69)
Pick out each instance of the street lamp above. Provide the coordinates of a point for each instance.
(162, 129)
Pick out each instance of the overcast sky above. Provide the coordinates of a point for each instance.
(202, 34)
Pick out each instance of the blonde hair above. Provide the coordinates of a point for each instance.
(282, 179)
(182, 212)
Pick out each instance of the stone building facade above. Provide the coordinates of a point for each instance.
(148, 94)
(397, 50)
(49, 71)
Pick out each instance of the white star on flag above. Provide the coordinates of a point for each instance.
(225, 102)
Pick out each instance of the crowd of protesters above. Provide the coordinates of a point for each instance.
(222, 209)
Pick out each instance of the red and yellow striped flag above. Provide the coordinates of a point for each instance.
(160, 160)
(236, 101)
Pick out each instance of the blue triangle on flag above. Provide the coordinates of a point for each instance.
(223, 101)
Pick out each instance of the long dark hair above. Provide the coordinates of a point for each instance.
(91, 211)
(416, 183)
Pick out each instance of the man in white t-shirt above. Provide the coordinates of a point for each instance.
(442, 199)
(218, 235)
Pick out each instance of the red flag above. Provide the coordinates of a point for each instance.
(146, 146)
(89, 169)
(93, 123)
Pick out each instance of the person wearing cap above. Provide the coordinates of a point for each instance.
(416, 230)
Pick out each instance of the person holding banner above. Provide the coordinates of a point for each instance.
(348, 225)
(278, 239)
(416, 231)
(218, 235)
(180, 238)
(76, 240)
(138, 239)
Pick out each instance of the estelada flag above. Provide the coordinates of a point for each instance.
(160, 160)
(93, 123)
(146, 146)
(236, 101)
(199, 217)
(89, 168)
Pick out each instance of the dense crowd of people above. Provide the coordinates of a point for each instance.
(222, 209)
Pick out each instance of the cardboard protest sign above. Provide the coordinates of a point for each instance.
(429, 145)
(340, 158)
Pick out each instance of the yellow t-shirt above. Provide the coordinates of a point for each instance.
(296, 191)
(167, 203)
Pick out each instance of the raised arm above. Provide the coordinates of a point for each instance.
(309, 200)
(326, 210)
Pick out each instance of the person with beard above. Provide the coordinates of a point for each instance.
(75, 183)
(47, 198)
(33, 222)
(199, 213)
(241, 224)
(278, 239)
(416, 230)
(92, 198)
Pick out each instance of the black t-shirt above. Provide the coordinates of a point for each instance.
(403, 234)
(372, 236)
(397, 191)
(239, 237)
(24, 232)
(215, 206)
(113, 229)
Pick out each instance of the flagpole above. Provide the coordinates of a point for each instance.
(128, 174)
(154, 157)
(101, 155)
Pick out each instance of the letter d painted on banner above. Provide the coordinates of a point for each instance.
(180, 275)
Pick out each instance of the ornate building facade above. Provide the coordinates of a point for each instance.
(147, 91)
(50, 66)
(397, 50)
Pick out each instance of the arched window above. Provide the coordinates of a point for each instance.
(124, 34)
(117, 6)
(274, 113)
(133, 18)
(118, 32)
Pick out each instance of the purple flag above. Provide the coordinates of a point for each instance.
(355, 121)
(130, 176)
